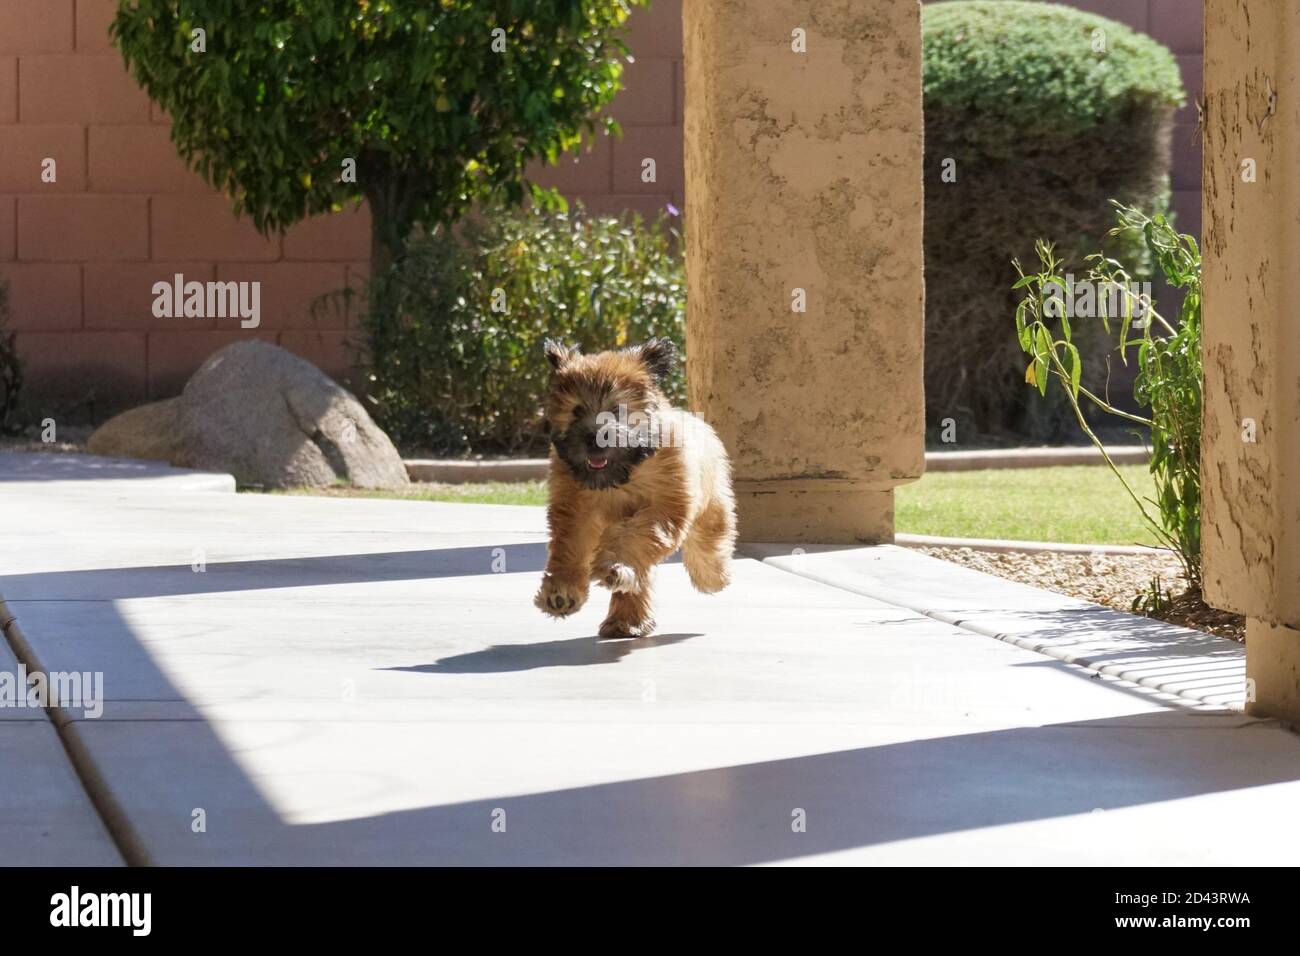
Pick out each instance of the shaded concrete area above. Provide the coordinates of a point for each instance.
(44, 468)
(362, 681)
(46, 817)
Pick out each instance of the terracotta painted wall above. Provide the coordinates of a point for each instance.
(82, 254)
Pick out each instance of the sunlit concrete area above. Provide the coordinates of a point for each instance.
(294, 679)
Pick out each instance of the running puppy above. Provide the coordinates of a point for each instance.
(632, 479)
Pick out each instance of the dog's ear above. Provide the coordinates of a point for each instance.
(658, 355)
(557, 353)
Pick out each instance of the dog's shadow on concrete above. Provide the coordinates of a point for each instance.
(575, 652)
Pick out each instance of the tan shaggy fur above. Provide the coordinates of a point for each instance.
(678, 497)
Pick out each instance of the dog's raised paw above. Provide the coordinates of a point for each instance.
(616, 576)
(559, 599)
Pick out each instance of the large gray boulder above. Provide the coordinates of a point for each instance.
(265, 416)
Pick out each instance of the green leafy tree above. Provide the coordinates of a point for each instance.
(434, 103)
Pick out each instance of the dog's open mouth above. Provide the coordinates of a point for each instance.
(597, 462)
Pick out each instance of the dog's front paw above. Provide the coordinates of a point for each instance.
(616, 576)
(559, 599)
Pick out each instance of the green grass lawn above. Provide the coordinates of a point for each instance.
(1081, 504)
(483, 493)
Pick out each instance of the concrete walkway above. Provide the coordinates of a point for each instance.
(312, 680)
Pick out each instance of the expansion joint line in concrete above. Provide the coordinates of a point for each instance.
(111, 815)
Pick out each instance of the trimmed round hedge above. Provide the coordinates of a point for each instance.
(1044, 113)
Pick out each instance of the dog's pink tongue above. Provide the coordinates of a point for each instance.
(597, 463)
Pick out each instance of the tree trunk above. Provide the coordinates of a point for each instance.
(390, 227)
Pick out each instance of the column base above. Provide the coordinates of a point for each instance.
(1272, 670)
(815, 511)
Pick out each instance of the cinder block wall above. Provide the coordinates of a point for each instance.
(82, 254)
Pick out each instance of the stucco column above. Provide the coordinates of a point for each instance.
(1250, 460)
(803, 257)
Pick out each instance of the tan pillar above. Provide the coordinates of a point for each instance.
(1251, 349)
(804, 189)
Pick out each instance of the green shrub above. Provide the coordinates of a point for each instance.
(11, 369)
(1044, 129)
(1168, 375)
(450, 373)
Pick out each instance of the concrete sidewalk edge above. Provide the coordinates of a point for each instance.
(112, 818)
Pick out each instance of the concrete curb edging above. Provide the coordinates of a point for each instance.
(1169, 688)
(1012, 458)
(455, 471)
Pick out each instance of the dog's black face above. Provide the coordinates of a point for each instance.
(601, 410)
(595, 456)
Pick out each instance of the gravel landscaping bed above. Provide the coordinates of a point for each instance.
(1112, 580)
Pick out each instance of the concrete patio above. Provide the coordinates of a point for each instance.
(365, 681)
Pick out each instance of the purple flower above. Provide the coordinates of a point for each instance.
(673, 210)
